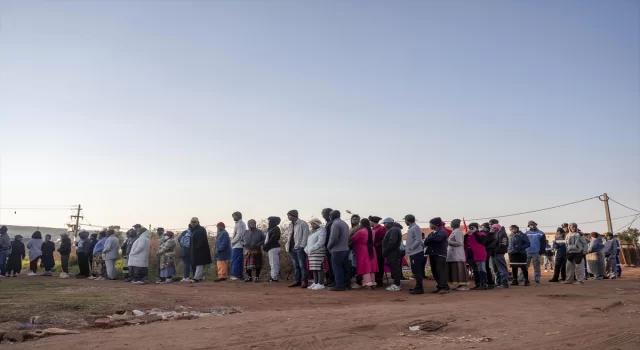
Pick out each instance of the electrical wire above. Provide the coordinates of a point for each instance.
(33, 208)
(628, 226)
(591, 222)
(533, 211)
(613, 200)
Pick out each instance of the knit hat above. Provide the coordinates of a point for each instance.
(221, 224)
(375, 219)
(315, 221)
(293, 213)
(496, 227)
(388, 221)
(532, 223)
(436, 221)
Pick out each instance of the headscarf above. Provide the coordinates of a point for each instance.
(274, 221)
(497, 227)
(366, 224)
(221, 224)
(168, 233)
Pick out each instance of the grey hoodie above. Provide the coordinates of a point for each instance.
(415, 244)
(84, 244)
(35, 248)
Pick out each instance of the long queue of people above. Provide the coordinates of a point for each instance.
(333, 254)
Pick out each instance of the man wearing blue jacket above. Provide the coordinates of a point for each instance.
(533, 252)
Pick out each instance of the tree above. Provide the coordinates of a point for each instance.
(629, 236)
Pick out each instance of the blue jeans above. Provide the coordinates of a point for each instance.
(236, 263)
(340, 264)
(4, 254)
(502, 272)
(299, 260)
(186, 260)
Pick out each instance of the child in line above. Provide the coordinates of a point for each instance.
(47, 249)
(35, 252)
(18, 253)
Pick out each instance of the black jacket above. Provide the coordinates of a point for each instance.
(17, 249)
(47, 249)
(502, 243)
(436, 243)
(200, 252)
(65, 247)
(274, 234)
(392, 240)
(491, 243)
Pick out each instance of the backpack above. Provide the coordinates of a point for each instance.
(185, 240)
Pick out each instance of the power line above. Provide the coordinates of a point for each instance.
(534, 211)
(34, 208)
(627, 225)
(591, 222)
(613, 200)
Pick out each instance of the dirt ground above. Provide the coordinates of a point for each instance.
(598, 315)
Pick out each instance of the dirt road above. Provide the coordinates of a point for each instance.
(598, 315)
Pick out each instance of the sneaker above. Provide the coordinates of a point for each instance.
(462, 288)
(98, 279)
(318, 287)
(233, 278)
(578, 283)
(416, 291)
(567, 282)
(159, 281)
(32, 274)
(91, 277)
(168, 280)
(272, 280)
(138, 282)
(195, 281)
(355, 286)
(219, 279)
(248, 279)
(444, 291)
(393, 288)
(312, 286)
(184, 280)
(537, 284)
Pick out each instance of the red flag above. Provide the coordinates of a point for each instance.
(464, 226)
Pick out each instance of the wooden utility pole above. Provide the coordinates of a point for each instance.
(77, 217)
(607, 212)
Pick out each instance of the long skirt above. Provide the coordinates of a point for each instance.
(14, 264)
(252, 259)
(139, 272)
(595, 263)
(316, 261)
(47, 262)
(458, 272)
(168, 271)
(99, 267)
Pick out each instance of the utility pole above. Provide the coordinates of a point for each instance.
(77, 217)
(607, 212)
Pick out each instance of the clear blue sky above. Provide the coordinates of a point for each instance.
(154, 112)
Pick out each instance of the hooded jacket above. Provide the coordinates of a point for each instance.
(610, 248)
(223, 246)
(65, 246)
(253, 238)
(5, 241)
(35, 248)
(576, 243)
(185, 243)
(238, 234)
(139, 254)
(491, 243)
(392, 240)
(502, 242)
(315, 242)
(596, 245)
(110, 250)
(414, 240)
(273, 234)
(48, 248)
(436, 243)
(518, 243)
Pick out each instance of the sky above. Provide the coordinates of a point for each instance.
(155, 112)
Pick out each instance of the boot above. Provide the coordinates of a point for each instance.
(483, 281)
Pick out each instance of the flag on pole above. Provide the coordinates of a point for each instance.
(464, 226)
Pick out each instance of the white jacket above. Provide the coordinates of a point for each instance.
(139, 255)
(237, 241)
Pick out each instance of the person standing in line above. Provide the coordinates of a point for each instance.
(200, 252)
(366, 260)
(436, 243)
(18, 253)
(548, 258)
(253, 242)
(132, 236)
(237, 247)
(99, 268)
(518, 245)
(610, 256)
(537, 240)
(139, 255)
(295, 246)
(391, 252)
(5, 250)
(93, 240)
(185, 254)
(456, 258)
(64, 251)
(355, 227)
(272, 247)
(110, 253)
(477, 254)
(500, 264)
(415, 251)
(577, 247)
(329, 279)
(316, 251)
(167, 257)
(490, 246)
(35, 252)
(83, 253)
(223, 252)
(595, 256)
(560, 261)
(160, 232)
(48, 262)
(338, 246)
(379, 231)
